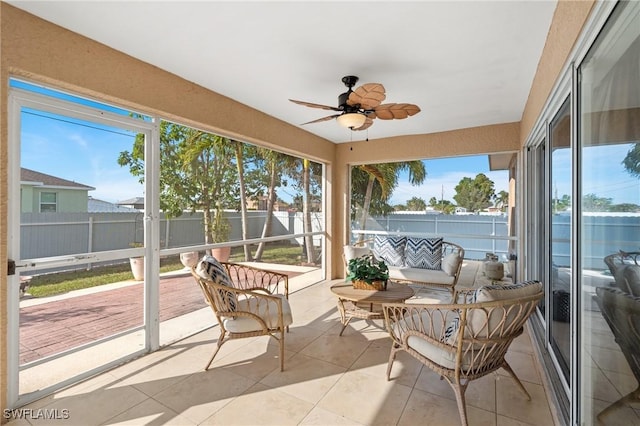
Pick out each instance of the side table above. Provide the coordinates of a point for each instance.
(367, 304)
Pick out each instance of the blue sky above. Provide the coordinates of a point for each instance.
(444, 174)
(602, 173)
(87, 153)
(82, 152)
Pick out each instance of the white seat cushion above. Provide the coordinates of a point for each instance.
(420, 275)
(445, 358)
(267, 311)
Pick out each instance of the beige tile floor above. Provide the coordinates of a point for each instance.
(328, 380)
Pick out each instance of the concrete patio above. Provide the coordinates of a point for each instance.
(328, 379)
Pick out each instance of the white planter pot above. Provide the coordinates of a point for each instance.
(190, 258)
(137, 268)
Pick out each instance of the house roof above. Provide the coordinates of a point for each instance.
(100, 206)
(131, 201)
(42, 179)
(464, 63)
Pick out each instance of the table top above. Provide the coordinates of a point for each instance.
(393, 294)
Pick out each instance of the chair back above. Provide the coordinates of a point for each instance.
(218, 296)
(487, 329)
(618, 264)
(465, 340)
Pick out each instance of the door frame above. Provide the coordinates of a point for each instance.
(17, 99)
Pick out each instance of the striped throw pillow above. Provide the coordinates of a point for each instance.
(390, 249)
(425, 253)
(209, 268)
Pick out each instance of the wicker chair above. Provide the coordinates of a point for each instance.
(249, 306)
(622, 313)
(463, 341)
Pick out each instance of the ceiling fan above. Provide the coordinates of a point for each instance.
(357, 108)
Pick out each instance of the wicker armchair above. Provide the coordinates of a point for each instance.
(248, 303)
(463, 341)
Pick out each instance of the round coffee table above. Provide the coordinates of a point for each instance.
(367, 304)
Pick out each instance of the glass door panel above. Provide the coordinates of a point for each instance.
(609, 147)
(559, 188)
(80, 307)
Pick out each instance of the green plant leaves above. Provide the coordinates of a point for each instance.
(367, 269)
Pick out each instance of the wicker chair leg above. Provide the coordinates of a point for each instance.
(392, 357)
(509, 370)
(218, 346)
(281, 349)
(459, 389)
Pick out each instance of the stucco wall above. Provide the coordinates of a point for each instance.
(568, 20)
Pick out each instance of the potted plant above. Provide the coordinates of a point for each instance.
(220, 230)
(367, 273)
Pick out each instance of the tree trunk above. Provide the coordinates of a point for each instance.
(306, 211)
(365, 207)
(271, 199)
(243, 201)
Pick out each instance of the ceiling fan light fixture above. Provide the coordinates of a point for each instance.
(351, 120)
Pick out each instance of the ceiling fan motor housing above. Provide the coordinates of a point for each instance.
(349, 81)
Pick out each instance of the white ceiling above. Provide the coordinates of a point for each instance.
(464, 64)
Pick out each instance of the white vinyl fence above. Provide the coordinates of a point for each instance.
(58, 234)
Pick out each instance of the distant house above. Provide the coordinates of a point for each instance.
(43, 193)
(101, 206)
(462, 211)
(134, 203)
(260, 203)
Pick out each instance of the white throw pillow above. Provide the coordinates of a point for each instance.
(450, 263)
(489, 293)
(351, 252)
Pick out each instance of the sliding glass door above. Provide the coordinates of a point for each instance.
(609, 149)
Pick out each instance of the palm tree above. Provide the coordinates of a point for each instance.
(502, 199)
(386, 176)
(275, 162)
(194, 175)
(239, 147)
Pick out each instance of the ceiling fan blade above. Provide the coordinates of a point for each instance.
(367, 123)
(319, 120)
(395, 111)
(369, 95)
(312, 105)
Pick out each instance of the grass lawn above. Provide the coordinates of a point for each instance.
(63, 282)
